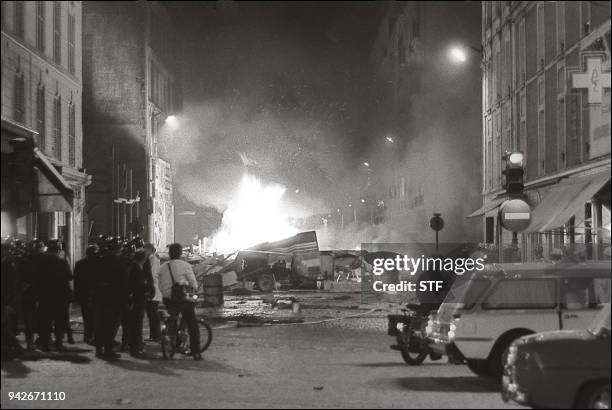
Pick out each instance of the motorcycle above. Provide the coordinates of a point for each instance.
(409, 331)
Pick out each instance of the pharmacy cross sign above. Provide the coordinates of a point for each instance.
(594, 80)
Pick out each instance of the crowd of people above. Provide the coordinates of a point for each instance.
(116, 284)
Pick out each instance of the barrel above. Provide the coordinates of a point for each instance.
(213, 289)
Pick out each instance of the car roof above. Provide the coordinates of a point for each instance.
(560, 269)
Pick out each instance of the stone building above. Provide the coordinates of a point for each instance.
(546, 93)
(43, 176)
(132, 85)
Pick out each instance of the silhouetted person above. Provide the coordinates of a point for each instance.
(56, 247)
(53, 277)
(84, 288)
(126, 257)
(138, 287)
(109, 300)
(11, 266)
(154, 297)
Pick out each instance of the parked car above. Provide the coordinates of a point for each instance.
(561, 369)
(484, 313)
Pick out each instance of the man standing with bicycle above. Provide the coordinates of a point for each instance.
(173, 274)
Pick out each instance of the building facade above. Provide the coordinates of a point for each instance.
(132, 88)
(42, 123)
(164, 205)
(426, 111)
(546, 93)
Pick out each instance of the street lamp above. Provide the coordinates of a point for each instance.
(458, 54)
(172, 121)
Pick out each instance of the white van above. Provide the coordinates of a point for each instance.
(484, 313)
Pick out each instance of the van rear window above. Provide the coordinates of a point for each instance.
(523, 294)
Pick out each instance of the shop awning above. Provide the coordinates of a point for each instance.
(488, 207)
(566, 200)
(54, 194)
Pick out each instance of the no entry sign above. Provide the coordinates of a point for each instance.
(515, 215)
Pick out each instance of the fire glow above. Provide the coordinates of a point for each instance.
(254, 215)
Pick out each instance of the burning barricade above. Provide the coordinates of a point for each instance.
(290, 262)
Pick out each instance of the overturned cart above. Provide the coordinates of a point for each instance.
(291, 261)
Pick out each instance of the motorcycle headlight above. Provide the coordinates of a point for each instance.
(399, 326)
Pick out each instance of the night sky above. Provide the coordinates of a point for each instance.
(286, 86)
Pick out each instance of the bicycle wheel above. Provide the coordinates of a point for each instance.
(205, 335)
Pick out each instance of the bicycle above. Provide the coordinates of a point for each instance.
(175, 335)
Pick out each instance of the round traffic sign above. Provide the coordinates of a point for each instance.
(436, 223)
(515, 215)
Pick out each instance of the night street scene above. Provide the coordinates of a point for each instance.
(306, 204)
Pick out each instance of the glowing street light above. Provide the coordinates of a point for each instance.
(389, 140)
(367, 164)
(457, 55)
(362, 201)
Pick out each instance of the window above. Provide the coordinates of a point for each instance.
(40, 25)
(541, 91)
(497, 147)
(416, 24)
(71, 40)
(541, 140)
(584, 293)
(523, 294)
(522, 140)
(506, 62)
(498, 73)
(561, 130)
(19, 96)
(71, 135)
(521, 53)
(540, 41)
(392, 21)
(541, 126)
(19, 18)
(401, 50)
(57, 32)
(153, 83)
(41, 116)
(561, 81)
(561, 126)
(57, 128)
(560, 5)
(506, 127)
(3, 12)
